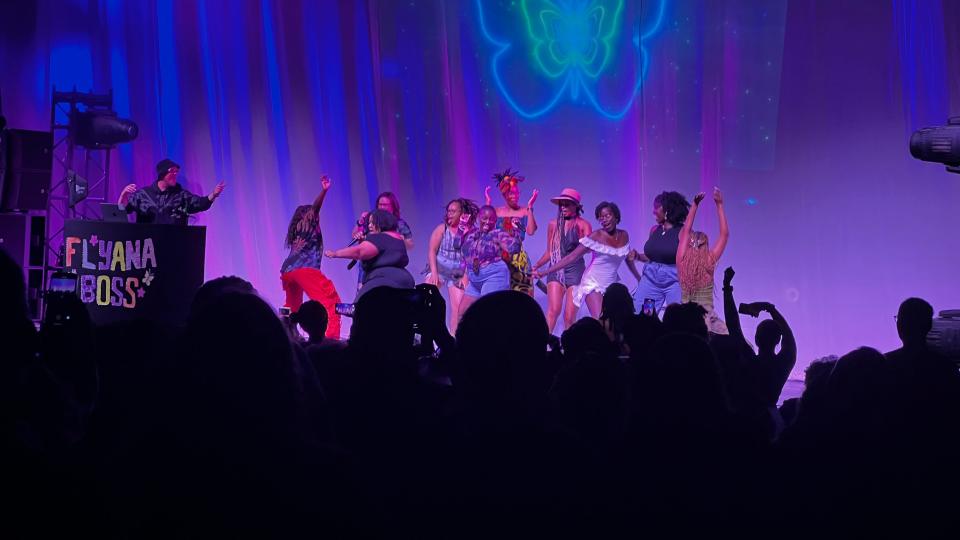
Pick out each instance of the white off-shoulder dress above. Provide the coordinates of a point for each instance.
(602, 270)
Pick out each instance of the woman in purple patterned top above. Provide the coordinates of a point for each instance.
(482, 250)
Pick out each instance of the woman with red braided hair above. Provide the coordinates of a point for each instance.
(697, 261)
(513, 219)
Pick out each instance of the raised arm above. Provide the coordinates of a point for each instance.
(435, 239)
(217, 190)
(788, 344)
(688, 225)
(124, 201)
(200, 203)
(359, 228)
(532, 221)
(730, 313)
(324, 187)
(721, 242)
(363, 251)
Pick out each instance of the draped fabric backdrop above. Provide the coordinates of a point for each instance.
(799, 110)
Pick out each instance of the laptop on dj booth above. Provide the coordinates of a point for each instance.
(112, 212)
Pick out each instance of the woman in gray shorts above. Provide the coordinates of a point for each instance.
(563, 236)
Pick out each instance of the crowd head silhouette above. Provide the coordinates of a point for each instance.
(229, 423)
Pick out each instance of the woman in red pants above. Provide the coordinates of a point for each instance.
(301, 270)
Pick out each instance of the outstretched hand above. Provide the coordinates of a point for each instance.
(698, 197)
(486, 196)
(717, 196)
(217, 190)
(325, 182)
(533, 198)
(765, 306)
(728, 276)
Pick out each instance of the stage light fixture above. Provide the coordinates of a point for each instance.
(938, 144)
(77, 188)
(101, 129)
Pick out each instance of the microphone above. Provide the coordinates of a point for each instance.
(362, 223)
(352, 263)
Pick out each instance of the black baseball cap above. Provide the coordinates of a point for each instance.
(165, 166)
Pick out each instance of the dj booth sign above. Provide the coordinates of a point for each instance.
(135, 271)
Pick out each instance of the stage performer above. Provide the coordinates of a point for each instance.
(389, 202)
(445, 261)
(483, 261)
(513, 218)
(563, 237)
(697, 261)
(382, 254)
(165, 201)
(300, 271)
(660, 282)
(610, 247)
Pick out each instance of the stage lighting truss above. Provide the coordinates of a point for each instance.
(79, 181)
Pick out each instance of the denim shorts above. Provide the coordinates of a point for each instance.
(491, 278)
(659, 283)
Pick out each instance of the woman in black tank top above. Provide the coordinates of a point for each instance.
(659, 281)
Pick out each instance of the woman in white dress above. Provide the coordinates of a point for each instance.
(610, 247)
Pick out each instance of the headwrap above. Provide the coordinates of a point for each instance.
(507, 179)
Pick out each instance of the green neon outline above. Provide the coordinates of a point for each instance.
(543, 51)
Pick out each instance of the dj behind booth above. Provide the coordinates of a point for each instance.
(165, 201)
(148, 269)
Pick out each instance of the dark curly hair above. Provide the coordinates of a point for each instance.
(383, 220)
(613, 209)
(674, 205)
(467, 206)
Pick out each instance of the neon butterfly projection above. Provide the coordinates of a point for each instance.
(590, 52)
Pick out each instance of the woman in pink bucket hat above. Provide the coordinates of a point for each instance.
(563, 236)
(610, 246)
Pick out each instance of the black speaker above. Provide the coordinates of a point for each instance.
(23, 237)
(13, 236)
(29, 162)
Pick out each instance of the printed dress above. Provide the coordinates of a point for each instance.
(518, 262)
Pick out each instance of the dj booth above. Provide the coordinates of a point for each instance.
(133, 270)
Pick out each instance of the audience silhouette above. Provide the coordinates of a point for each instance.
(229, 423)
